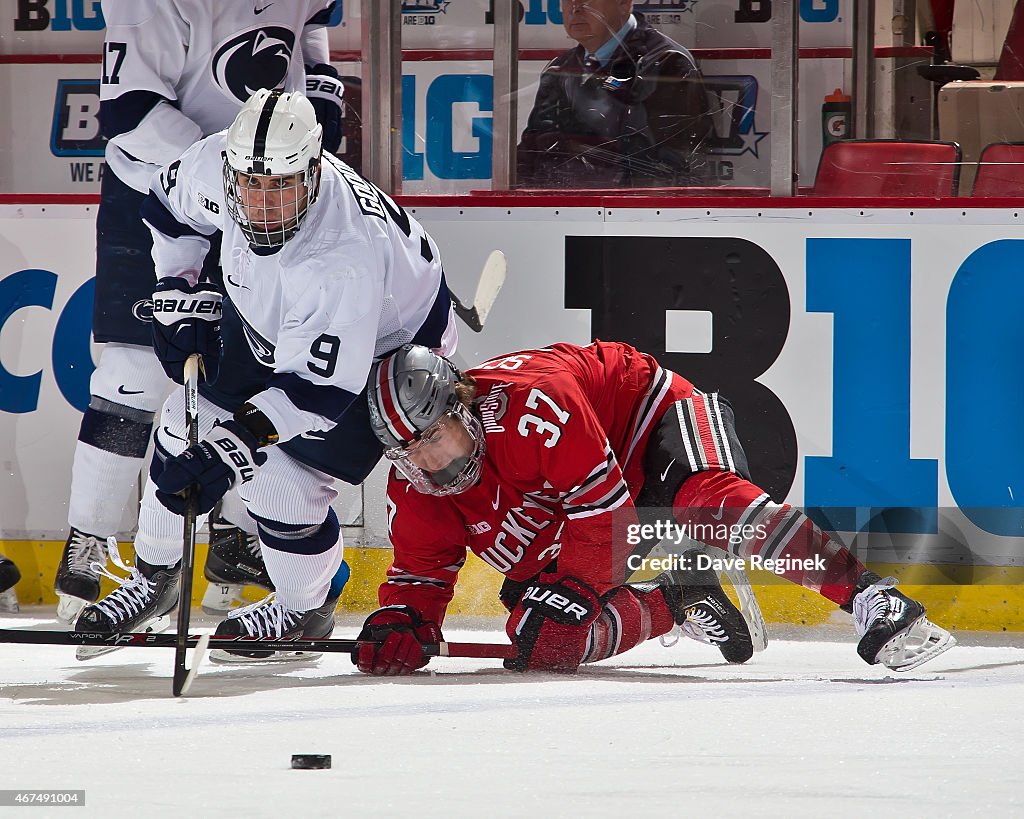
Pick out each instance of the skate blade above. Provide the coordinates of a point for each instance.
(222, 657)
(154, 626)
(750, 610)
(221, 597)
(915, 645)
(68, 608)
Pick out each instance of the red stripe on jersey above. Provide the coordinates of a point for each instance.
(707, 435)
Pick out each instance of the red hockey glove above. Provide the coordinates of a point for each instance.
(394, 635)
(549, 625)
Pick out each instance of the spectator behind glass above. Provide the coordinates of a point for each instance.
(625, 108)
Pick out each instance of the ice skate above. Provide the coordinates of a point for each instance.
(78, 576)
(9, 577)
(893, 629)
(233, 562)
(142, 602)
(703, 612)
(271, 618)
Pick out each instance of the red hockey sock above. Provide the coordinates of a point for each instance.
(628, 618)
(724, 510)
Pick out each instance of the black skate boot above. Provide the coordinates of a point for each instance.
(9, 577)
(78, 576)
(893, 629)
(271, 618)
(141, 603)
(704, 612)
(233, 562)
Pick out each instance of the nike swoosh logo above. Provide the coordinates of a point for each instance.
(123, 391)
(497, 500)
(260, 11)
(236, 284)
(721, 511)
(312, 436)
(667, 468)
(167, 431)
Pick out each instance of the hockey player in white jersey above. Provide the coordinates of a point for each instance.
(173, 72)
(322, 273)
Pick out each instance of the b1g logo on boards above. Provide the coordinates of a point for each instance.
(76, 119)
(59, 15)
(865, 284)
(423, 12)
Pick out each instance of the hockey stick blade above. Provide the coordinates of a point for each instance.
(197, 657)
(131, 639)
(491, 280)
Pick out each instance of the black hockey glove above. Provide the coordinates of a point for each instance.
(186, 320)
(325, 91)
(227, 456)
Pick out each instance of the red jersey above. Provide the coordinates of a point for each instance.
(565, 430)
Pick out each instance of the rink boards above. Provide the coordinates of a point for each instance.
(872, 355)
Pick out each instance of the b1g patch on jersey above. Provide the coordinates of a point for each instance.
(206, 202)
(493, 407)
(367, 196)
(255, 59)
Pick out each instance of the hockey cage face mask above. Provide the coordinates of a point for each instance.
(272, 166)
(425, 462)
(269, 209)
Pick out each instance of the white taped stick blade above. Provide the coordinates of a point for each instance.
(917, 644)
(197, 658)
(492, 278)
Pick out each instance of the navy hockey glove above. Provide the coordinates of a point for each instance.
(226, 457)
(186, 320)
(550, 624)
(325, 91)
(393, 635)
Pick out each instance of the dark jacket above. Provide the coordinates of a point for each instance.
(642, 120)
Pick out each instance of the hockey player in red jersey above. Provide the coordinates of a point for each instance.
(537, 461)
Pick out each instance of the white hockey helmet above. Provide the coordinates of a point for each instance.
(275, 135)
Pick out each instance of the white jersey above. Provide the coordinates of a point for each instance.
(178, 70)
(357, 280)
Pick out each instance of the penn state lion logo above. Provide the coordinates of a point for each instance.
(253, 60)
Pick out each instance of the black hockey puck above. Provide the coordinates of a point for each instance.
(306, 762)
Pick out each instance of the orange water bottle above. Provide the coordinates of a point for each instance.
(836, 114)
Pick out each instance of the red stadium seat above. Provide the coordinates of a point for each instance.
(1000, 170)
(885, 167)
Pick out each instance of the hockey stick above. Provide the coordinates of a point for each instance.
(182, 675)
(492, 277)
(131, 639)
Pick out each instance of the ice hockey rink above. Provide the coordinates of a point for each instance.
(804, 729)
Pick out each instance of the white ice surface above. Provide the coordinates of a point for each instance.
(803, 729)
